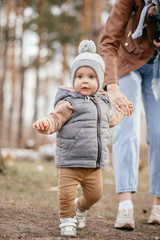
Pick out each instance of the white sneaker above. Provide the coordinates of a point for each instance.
(125, 219)
(155, 215)
(68, 227)
(80, 216)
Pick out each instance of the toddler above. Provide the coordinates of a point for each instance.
(82, 119)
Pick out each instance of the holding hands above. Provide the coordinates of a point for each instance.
(118, 100)
(41, 124)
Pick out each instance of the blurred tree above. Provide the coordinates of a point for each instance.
(69, 32)
(50, 27)
(58, 25)
(13, 71)
(55, 21)
(42, 4)
(108, 5)
(91, 22)
(4, 39)
(1, 96)
(22, 5)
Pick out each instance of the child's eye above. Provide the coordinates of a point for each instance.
(92, 76)
(79, 76)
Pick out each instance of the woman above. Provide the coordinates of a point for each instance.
(128, 48)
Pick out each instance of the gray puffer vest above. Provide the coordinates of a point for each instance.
(82, 141)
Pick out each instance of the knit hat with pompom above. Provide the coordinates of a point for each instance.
(89, 58)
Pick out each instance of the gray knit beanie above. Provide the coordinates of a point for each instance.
(89, 58)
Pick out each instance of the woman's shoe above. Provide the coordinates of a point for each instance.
(155, 215)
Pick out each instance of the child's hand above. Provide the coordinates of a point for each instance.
(41, 124)
(131, 108)
(157, 44)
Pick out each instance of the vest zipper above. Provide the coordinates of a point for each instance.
(98, 131)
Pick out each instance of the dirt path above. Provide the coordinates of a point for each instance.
(33, 223)
(28, 210)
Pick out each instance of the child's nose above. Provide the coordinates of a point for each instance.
(85, 80)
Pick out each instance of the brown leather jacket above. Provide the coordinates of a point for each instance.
(120, 52)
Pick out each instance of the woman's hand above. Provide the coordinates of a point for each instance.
(118, 100)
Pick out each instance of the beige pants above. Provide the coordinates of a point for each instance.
(91, 182)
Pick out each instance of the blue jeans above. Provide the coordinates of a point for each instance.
(127, 133)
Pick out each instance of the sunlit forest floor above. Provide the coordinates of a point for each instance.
(28, 206)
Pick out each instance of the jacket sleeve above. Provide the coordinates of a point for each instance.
(115, 118)
(62, 113)
(114, 32)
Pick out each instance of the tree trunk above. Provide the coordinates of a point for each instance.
(86, 12)
(91, 23)
(46, 99)
(13, 82)
(20, 122)
(22, 79)
(37, 88)
(64, 64)
(95, 23)
(3, 78)
(38, 63)
(2, 55)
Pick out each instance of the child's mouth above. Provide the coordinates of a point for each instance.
(85, 88)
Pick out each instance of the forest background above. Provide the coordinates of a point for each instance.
(39, 40)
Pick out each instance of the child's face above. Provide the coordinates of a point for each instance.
(86, 81)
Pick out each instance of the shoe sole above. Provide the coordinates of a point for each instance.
(80, 227)
(68, 235)
(125, 226)
(154, 222)
(73, 236)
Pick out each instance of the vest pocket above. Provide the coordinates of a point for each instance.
(68, 143)
(78, 136)
(84, 147)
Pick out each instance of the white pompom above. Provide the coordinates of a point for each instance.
(87, 46)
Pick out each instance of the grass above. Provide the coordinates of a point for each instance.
(23, 182)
